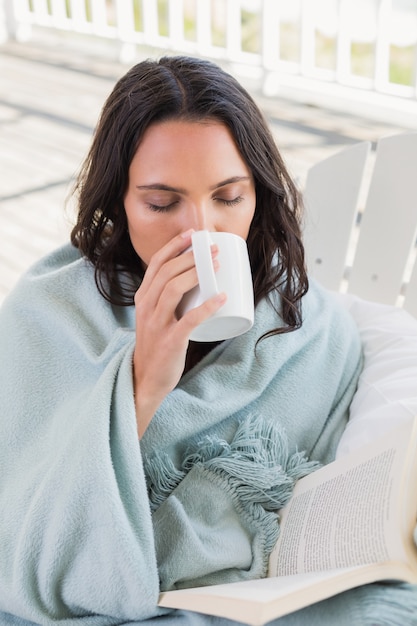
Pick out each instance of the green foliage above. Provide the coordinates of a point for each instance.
(402, 64)
(251, 31)
(362, 57)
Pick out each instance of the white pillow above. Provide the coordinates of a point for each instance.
(387, 389)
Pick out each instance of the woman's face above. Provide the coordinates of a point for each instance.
(186, 175)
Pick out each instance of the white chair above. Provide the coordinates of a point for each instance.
(388, 228)
(383, 250)
(411, 296)
(380, 248)
(331, 197)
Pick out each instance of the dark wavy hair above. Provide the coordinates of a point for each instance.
(186, 88)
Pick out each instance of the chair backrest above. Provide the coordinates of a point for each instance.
(411, 295)
(371, 253)
(331, 200)
(389, 224)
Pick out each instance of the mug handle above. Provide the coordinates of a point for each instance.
(204, 264)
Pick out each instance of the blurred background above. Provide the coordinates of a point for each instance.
(326, 73)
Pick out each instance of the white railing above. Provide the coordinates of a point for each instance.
(362, 45)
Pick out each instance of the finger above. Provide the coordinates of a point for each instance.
(195, 317)
(171, 250)
(174, 277)
(171, 278)
(175, 248)
(174, 291)
(155, 280)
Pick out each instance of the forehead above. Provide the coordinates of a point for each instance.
(188, 140)
(180, 149)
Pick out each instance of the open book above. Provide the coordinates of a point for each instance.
(347, 524)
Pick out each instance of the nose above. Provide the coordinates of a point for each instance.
(200, 217)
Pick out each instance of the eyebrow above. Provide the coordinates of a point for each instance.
(163, 187)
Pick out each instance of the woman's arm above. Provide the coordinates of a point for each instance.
(161, 338)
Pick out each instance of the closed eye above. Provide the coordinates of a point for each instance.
(161, 208)
(232, 202)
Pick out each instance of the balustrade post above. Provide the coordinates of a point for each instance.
(125, 27)
(203, 26)
(150, 21)
(382, 45)
(344, 44)
(8, 22)
(308, 38)
(12, 22)
(176, 23)
(233, 28)
(270, 46)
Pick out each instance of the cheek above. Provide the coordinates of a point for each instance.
(144, 240)
(247, 221)
(148, 231)
(140, 232)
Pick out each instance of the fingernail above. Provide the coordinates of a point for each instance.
(187, 233)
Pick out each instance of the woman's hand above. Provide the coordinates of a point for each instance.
(161, 338)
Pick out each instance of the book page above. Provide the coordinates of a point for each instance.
(345, 514)
(258, 601)
(339, 516)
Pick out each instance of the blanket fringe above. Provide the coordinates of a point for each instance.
(162, 478)
(257, 461)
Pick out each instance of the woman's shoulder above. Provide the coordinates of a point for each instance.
(324, 303)
(60, 269)
(58, 294)
(65, 259)
(61, 278)
(325, 317)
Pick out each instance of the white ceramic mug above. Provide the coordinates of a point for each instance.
(233, 277)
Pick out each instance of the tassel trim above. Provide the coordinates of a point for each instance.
(257, 462)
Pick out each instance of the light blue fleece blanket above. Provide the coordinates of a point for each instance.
(92, 524)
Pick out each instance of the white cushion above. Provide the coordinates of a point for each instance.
(387, 389)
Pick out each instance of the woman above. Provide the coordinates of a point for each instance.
(95, 355)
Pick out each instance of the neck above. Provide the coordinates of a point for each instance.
(197, 350)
